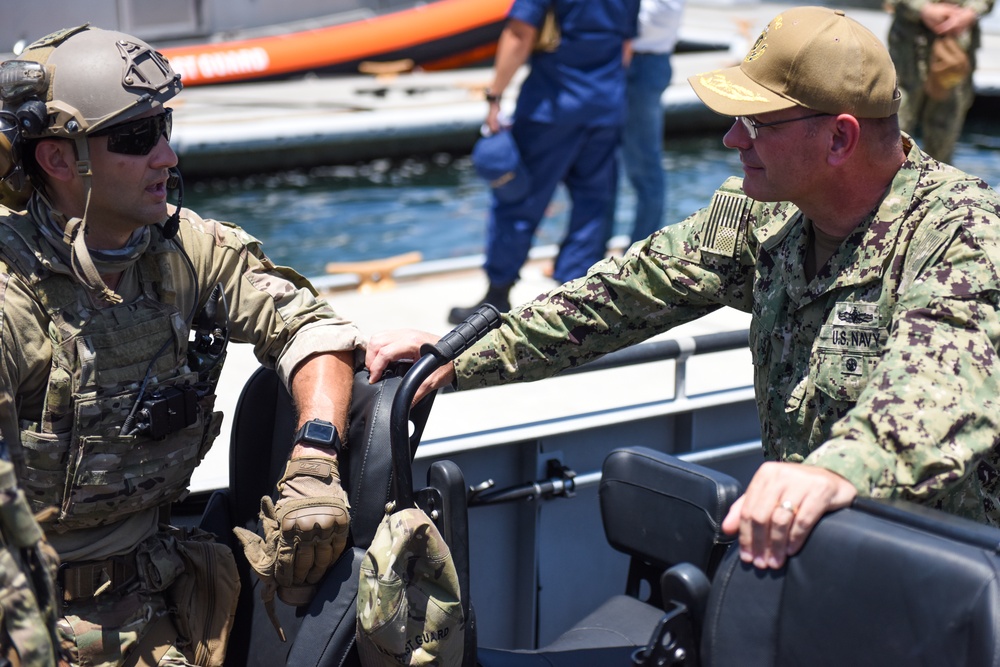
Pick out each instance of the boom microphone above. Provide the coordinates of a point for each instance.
(173, 223)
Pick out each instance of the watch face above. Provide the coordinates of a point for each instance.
(317, 432)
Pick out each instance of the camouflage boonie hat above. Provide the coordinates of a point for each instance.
(409, 605)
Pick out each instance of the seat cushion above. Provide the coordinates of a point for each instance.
(607, 636)
(620, 621)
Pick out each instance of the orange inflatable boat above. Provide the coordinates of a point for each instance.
(438, 35)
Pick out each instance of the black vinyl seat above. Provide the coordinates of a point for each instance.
(686, 503)
(877, 584)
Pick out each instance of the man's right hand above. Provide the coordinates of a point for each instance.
(404, 344)
(781, 506)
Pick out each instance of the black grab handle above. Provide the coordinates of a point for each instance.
(451, 345)
(461, 338)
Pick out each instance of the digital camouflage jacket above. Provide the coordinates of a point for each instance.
(882, 368)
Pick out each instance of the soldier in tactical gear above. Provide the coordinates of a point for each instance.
(869, 269)
(115, 310)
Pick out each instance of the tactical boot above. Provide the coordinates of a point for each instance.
(496, 295)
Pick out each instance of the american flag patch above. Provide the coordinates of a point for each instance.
(922, 248)
(726, 216)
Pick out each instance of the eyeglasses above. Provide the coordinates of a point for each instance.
(137, 137)
(752, 125)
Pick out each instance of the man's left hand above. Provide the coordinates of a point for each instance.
(782, 504)
(304, 532)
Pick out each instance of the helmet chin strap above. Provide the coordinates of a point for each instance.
(75, 235)
(75, 231)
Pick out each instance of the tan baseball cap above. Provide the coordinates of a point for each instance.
(812, 57)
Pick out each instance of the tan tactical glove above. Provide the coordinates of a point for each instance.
(304, 532)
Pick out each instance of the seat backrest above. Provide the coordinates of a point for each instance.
(368, 474)
(260, 441)
(688, 501)
(263, 425)
(876, 584)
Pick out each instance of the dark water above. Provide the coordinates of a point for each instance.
(438, 206)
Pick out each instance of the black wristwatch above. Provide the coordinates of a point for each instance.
(320, 433)
(492, 97)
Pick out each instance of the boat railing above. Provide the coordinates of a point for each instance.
(680, 407)
(678, 349)
(564, 482)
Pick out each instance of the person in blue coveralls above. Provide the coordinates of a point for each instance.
(567, 126)
(648, 75)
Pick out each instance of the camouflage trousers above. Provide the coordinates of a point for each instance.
(177, 611)
(105, 631)
(938, 123)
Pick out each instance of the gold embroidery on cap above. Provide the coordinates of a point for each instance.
(720, 85)
(758, 47)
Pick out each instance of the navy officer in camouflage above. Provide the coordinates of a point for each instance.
(869, 268)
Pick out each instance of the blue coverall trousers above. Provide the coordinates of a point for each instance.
(584, 159)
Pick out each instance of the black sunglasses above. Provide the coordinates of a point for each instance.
(137, 137)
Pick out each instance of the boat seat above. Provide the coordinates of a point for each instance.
(688, 502)
(876, 584)
(880, 583)
(322, 633)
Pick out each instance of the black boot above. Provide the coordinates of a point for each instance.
(496, 295)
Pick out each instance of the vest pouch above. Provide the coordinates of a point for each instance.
(113, 476)
(203, 598)
(159, 563)
(42, 473)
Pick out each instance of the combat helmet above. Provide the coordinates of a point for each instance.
(75, 82)
(71, 84)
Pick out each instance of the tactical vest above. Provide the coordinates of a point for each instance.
(76, 457)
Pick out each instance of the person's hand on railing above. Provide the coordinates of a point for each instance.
(404, 345)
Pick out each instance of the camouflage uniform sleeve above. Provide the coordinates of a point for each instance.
(271, 307)
(931, 411)
(675, 276)
(25, 351)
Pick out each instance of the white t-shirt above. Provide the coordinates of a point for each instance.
(659, 23)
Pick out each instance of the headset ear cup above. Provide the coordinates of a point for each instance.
(33, 117)
(14, 186)
(7, 162)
